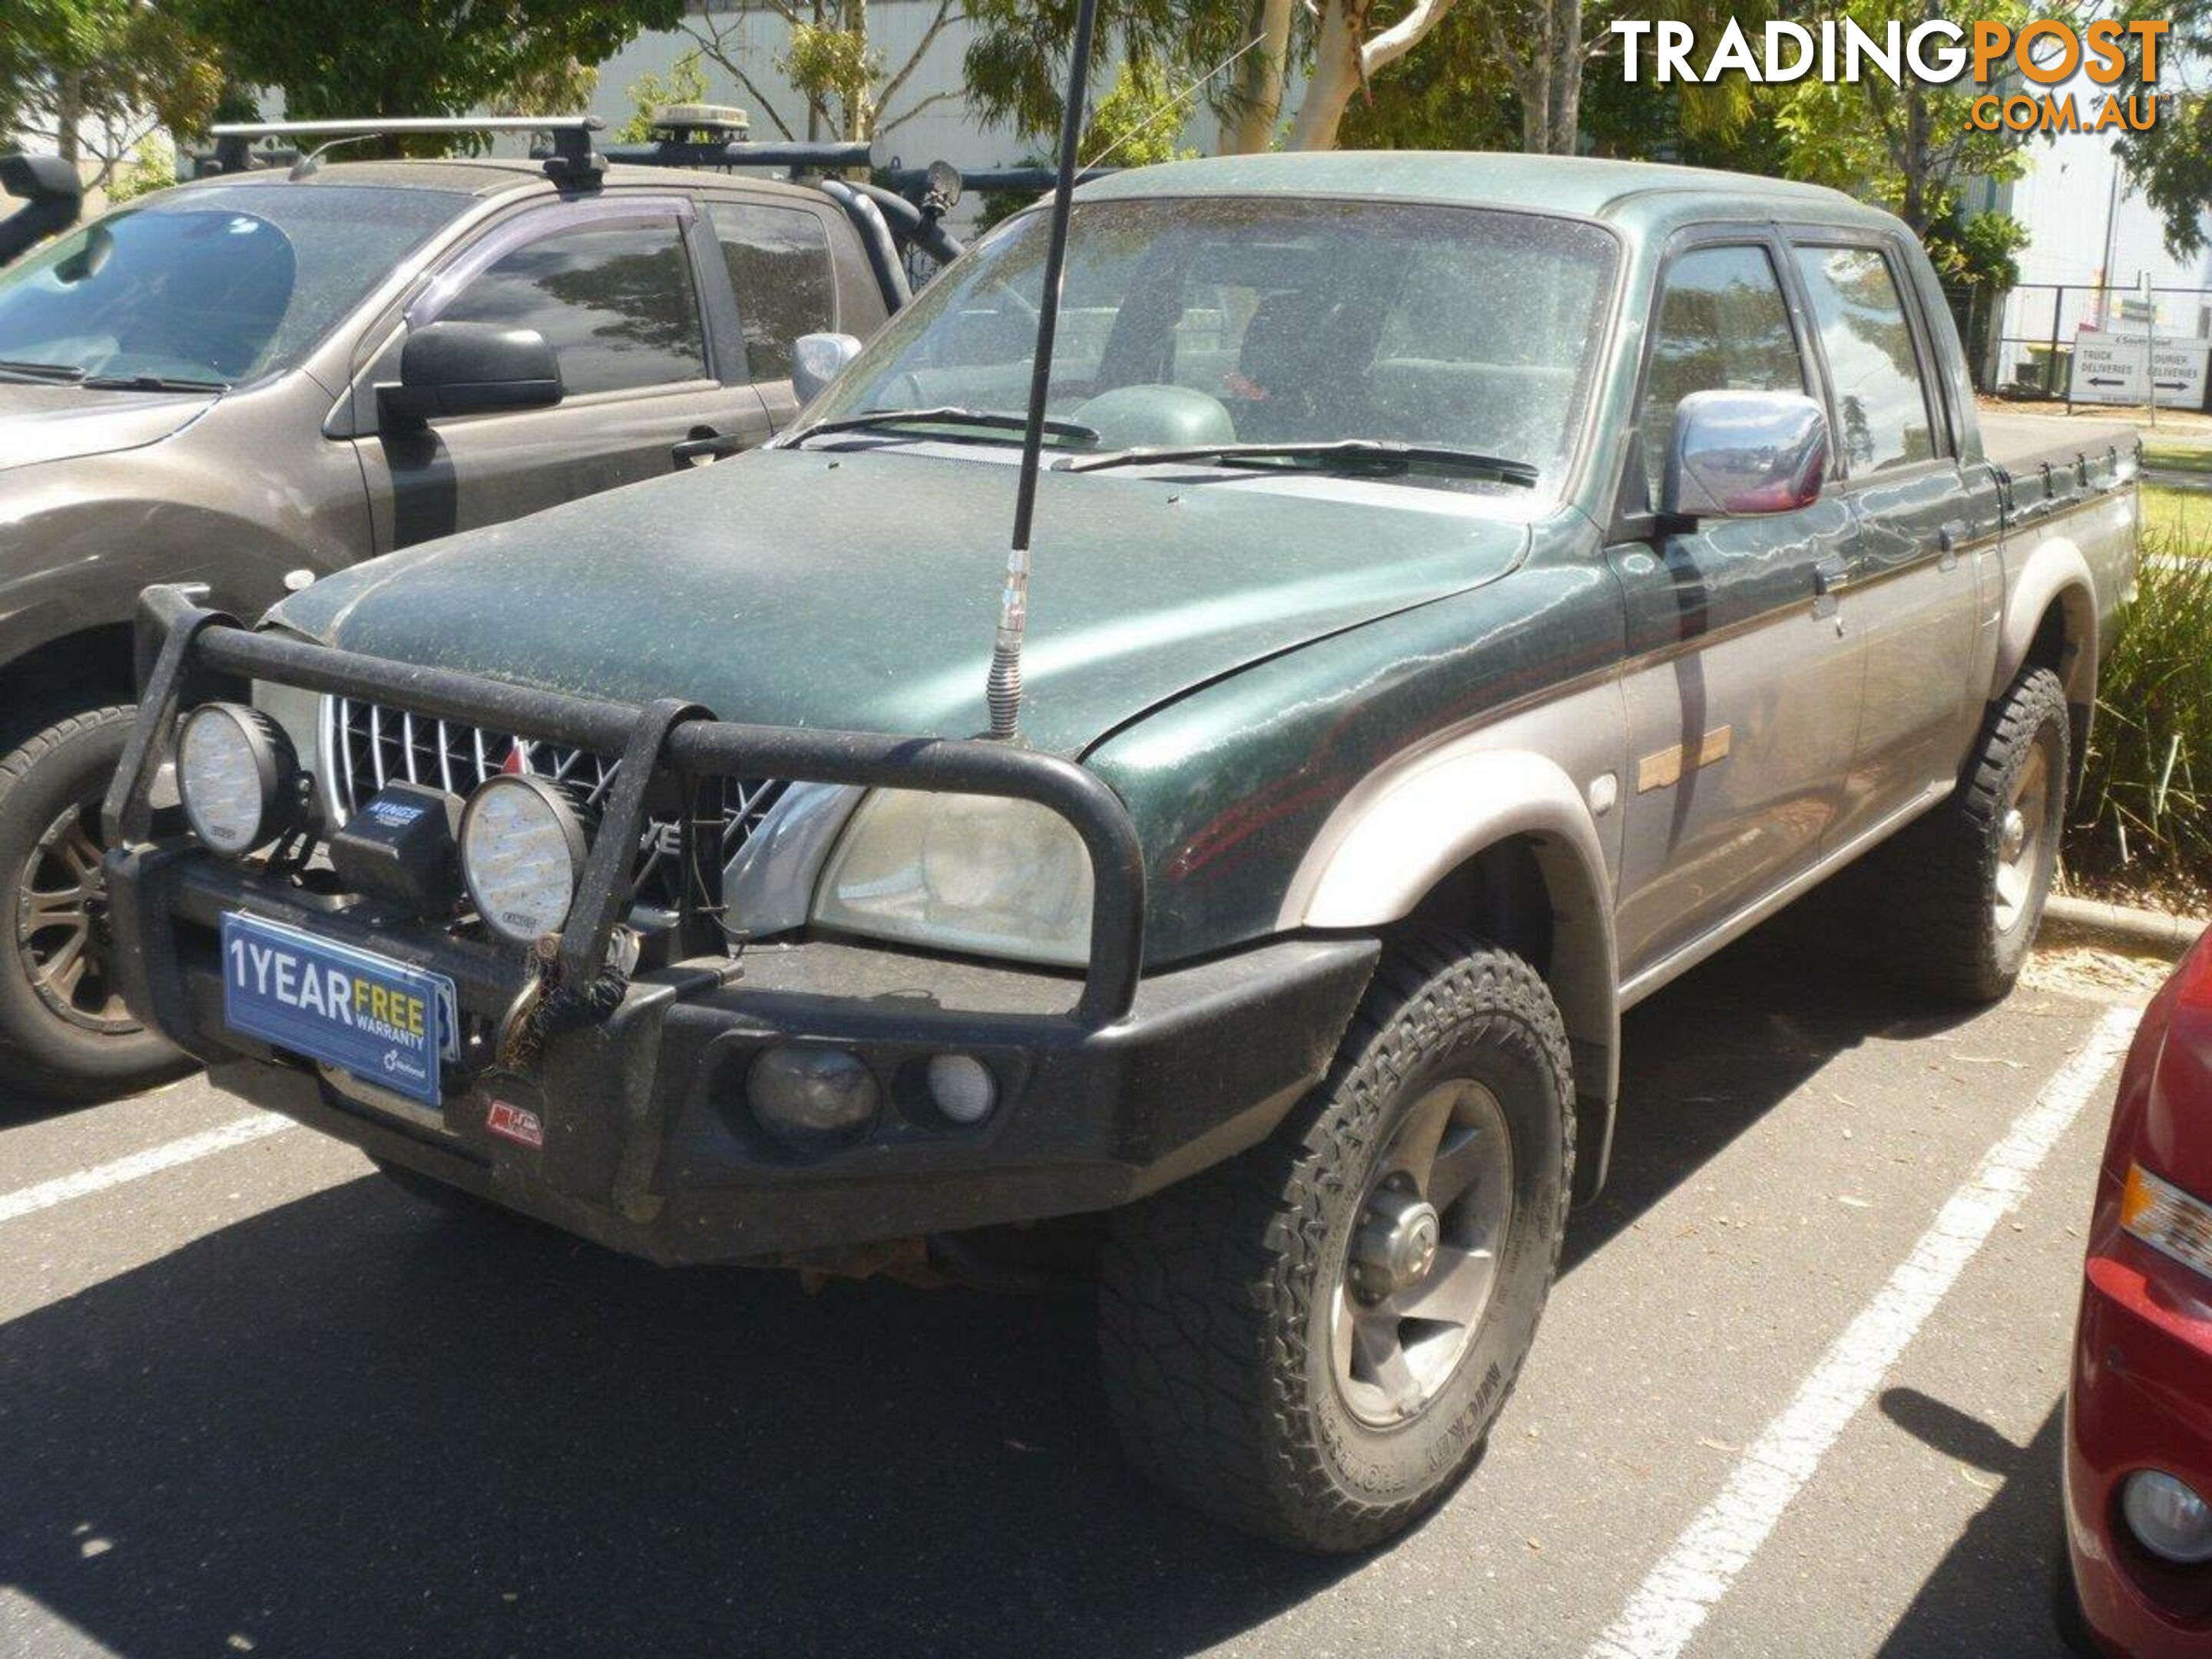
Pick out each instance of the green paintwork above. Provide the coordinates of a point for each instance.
(1232, 655)
(1635, 194)
(858, 590)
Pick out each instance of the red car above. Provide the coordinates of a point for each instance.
(2139, 1411)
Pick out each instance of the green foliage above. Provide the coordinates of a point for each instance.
(1016, 61)
(1906, 147)
(99, 74)
(684, 83)
(832, 65)
(2172, 160)
(153, 167)
(1134, 125)
(332, 57)
(1978, 250)
(1451, 93)
(2146, 804)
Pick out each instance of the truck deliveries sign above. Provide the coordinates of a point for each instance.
(2119, 369)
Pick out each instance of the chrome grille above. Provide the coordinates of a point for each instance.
(367, 746)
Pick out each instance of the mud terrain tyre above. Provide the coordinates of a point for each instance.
(1311, 1340)
(1966, 884)
(64, 1033)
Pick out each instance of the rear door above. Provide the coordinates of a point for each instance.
(1742, 686)
(622, 288)
(783, 280)
(1910, 593)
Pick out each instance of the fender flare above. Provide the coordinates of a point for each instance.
(2056, 570)
(1387, 845)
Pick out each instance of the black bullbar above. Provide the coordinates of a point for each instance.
(1103, 1095)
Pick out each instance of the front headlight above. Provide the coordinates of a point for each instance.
(977, 873)
(522, 854)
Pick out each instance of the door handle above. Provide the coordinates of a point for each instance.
(704, 443)
(1831, 576)
(1947, 541)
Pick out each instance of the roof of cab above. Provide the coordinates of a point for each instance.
(491, 175)
(1557, 184)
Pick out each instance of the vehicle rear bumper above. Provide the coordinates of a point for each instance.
(649, 1145)
(2140, 1398)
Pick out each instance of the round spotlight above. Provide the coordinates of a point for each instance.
(962, 1088)
(2167, 1517)
(522, 854)
(812, 1097)
(235, 770)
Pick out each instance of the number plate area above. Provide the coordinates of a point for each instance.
(379, 1020)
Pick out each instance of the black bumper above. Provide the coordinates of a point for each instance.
(649, 1145)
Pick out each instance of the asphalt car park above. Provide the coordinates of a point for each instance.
(1797, 1392)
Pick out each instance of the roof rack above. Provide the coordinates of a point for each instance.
(572, 160)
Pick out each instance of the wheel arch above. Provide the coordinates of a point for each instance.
(88, 665)
(1500, 843)
(2051, 621)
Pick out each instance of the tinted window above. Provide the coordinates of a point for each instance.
(1276, 320)
(1721, 326)
(614, 302)
(779, 260)
(1879, 401)
(224, 283)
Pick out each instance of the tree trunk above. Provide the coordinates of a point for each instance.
(1566, 89)
(1250, 128)
(68, 115)
(1346, 59)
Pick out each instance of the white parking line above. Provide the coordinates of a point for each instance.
(1665, 1614)
(28, 1200)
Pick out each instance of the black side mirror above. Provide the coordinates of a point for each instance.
(471, 369)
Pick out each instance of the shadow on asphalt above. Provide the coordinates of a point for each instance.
(1992, 1593)
(1709, 1056)
(342, 1428)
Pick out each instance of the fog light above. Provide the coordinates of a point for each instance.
(811, 1097)
(234, 772)
(961, 1087)
(2167, 1517)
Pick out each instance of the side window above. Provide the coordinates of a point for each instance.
(779, 260)
(1880, 400)
(1722, 325)
(614, 301)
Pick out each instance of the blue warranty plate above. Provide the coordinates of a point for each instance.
(383, 1021)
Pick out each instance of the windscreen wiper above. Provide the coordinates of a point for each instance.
(1357, 454)
(988, 420)
(66, 373)
(151, 383)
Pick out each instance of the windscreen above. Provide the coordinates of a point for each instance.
(1305, 320)
(220, 286)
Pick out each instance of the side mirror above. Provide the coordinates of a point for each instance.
(817, 360)
(471, 369)
(1736, 455)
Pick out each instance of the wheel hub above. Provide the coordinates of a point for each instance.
(63, 940)
(2013, 837)
(1423, 1254)
(1397, 1242)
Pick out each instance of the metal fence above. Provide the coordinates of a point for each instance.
(2021, 342)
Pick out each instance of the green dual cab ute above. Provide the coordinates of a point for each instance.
(1469, 591)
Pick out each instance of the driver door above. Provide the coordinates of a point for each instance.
(615, 286)
(1743, 685)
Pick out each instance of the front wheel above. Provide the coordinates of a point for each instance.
(1312, 1339)
(64, 1031)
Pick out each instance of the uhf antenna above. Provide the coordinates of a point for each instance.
(1004, 690)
